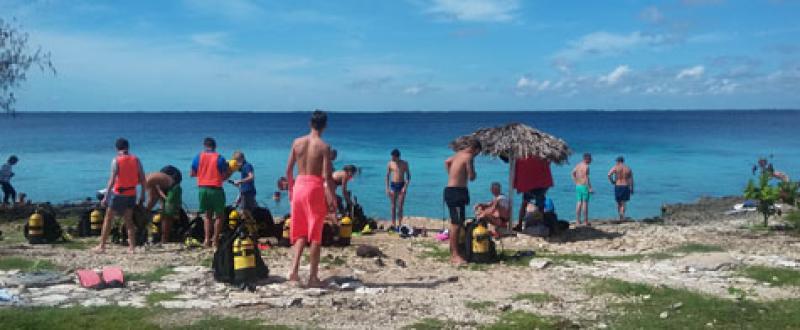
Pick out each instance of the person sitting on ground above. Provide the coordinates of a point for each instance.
(341, 179)
(497, 211)
(9, 194)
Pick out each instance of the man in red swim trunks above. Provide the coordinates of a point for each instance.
(310, 200)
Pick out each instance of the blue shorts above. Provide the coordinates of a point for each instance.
(121, 203)
(622, 193)
(397, 187)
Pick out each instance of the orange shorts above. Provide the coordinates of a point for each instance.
(309, 208)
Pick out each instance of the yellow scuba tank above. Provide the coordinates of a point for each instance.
(244, 259)
(155, 228)
(345, 231)
(233, 219)
(36, 226)
(96, 222)
(233, 165)
(480, 240)
(287, 229)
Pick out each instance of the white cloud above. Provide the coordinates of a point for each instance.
(606, 43)
(210, 40)
(614, 76)
(527, 86)
(475, 10)
(720, 86)
(651, 15)
(693, 72)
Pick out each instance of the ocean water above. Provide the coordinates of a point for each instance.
(675, 156)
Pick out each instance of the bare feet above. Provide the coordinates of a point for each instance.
(293, 280)
(206, 244)
(457, 261)
(100, 249)
(131, 250)
(315, 283)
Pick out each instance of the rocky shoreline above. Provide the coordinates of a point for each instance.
(695, 247)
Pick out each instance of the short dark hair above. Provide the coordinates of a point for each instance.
(122, 144)
(319, 119)
(620, 159)
(350, 168)
(396, 153)
(587, 155)
(497, 184)
(13, 159)
(209, 142)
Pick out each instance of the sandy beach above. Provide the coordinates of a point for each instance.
(413, 285)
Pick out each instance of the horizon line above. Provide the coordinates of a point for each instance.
(394, 111)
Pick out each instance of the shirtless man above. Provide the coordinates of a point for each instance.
(583, 188)
(496, 212)
(621, 177)
(157, 184)
(341, 178)
(460, 168)
(310, 200)
(398, 177)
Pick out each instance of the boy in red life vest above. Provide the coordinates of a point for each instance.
(120, 197)
(211, 170)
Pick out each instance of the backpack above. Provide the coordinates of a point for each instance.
(179, 227)
(51, 229)
(141, 219)
(85, 224)
(195, 230)
(360, 220)
(469, 253)
(173, 172)
(265, 223)
(222, 265)
(329, 234)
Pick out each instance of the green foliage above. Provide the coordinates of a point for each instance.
(151, 276)
(765, 194)
(215, 323)
(789, 191)
(690, 310)
(524, 320)
(776, 276)
(109, 317)
(16, 57)
(793, 218)
(25, 265)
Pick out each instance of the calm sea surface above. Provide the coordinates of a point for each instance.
(675, 156)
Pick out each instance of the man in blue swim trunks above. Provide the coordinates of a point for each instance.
(621, 177)
(398, 177)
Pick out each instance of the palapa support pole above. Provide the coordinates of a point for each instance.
(511, 172)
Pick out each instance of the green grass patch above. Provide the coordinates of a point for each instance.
(109, 317)
(70, 221)
(537, 297)
(206, 262)
(333, 260)
(215, 323)
(154, 298)
(434, 251)
(436, 324)
(691, 310)
(524, 320)
(79, 244)
(776, 276)
(479, 305)
(696, 248)
(151, 276)
(25, 265)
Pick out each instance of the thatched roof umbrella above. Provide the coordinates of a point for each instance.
(514, 141)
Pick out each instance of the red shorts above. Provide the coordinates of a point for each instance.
(309, 208)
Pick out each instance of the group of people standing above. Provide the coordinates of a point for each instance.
(620, 175)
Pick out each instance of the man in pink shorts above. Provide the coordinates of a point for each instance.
(310, 200)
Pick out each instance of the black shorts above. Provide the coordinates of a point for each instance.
(249, 201)
(457, 199)
(622, 193)
(536, 195)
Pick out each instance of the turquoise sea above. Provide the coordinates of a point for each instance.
(676, 156)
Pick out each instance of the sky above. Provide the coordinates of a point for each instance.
(411, 55)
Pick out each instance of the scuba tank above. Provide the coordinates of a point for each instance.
(95, 222)
(35, 228)
(345, 231)
(155, 228)
(244, 260)
(286, 236)
(482, 249)
(233, 219)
